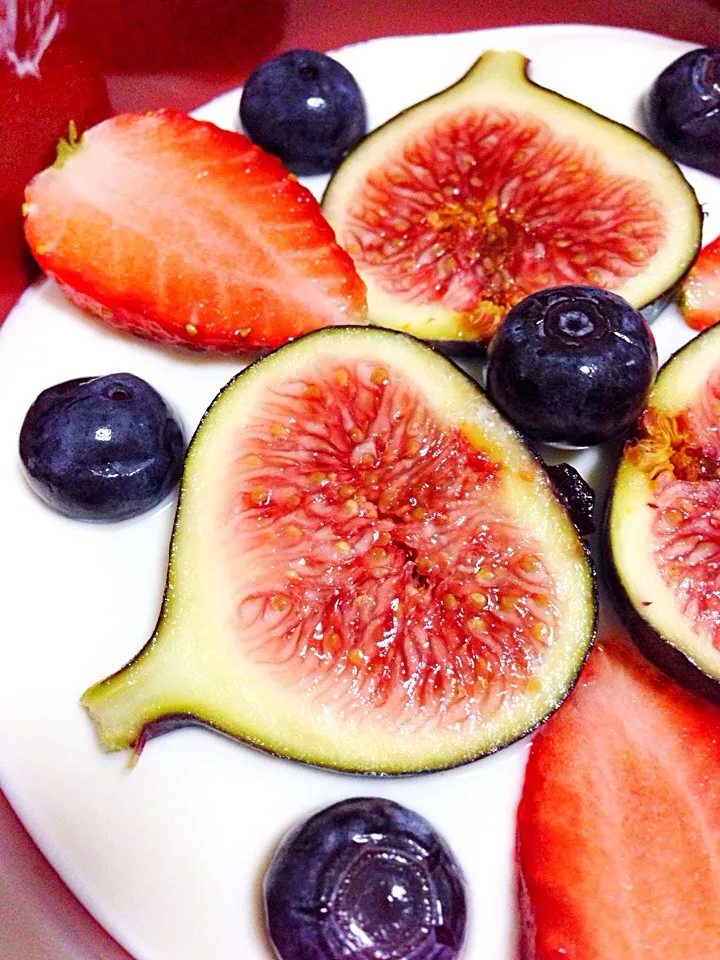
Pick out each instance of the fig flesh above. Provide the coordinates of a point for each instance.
(496, 188)
(662, 523)
(369, 569)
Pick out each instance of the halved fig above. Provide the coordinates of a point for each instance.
(369, 569)
(662, 524)
(456, 209)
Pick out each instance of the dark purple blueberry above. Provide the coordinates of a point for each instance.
(102, 448)
(575, 494)
(304, 107)
(365, 879)
(682, 110)
(572, 365)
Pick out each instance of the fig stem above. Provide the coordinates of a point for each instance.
(122, 705)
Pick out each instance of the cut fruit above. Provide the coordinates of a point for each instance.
(699, 297)
(177, 231)
(663, 520)
(369, 569)
(459, 207)
(618, 829)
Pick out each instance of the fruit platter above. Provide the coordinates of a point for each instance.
(412, 392)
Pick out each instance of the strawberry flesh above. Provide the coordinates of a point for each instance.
(700, 292)
(175, 230)
(618, 832)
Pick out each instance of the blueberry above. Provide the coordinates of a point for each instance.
(572, 365)
(365, 879)
(682, 110)
(304, 107)
(575, 494)
(101, 448)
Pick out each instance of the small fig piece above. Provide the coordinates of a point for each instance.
(662, 536)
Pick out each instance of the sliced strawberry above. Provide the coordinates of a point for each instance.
(176, 230)
(619, 822)
(700, 292)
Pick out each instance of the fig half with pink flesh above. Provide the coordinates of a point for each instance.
(662, 524)
(459, 207)
(369, 569)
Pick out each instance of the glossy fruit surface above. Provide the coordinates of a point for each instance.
(366, 879)
(682, 109)
(662, 533)
(459, 207)
(365, 543)
(576, 494)
(175, 230)
(304, 107)
(572, 365)
(618, 827)
(102, 448)
(699, 298)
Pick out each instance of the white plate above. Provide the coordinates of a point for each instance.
(169, 856)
